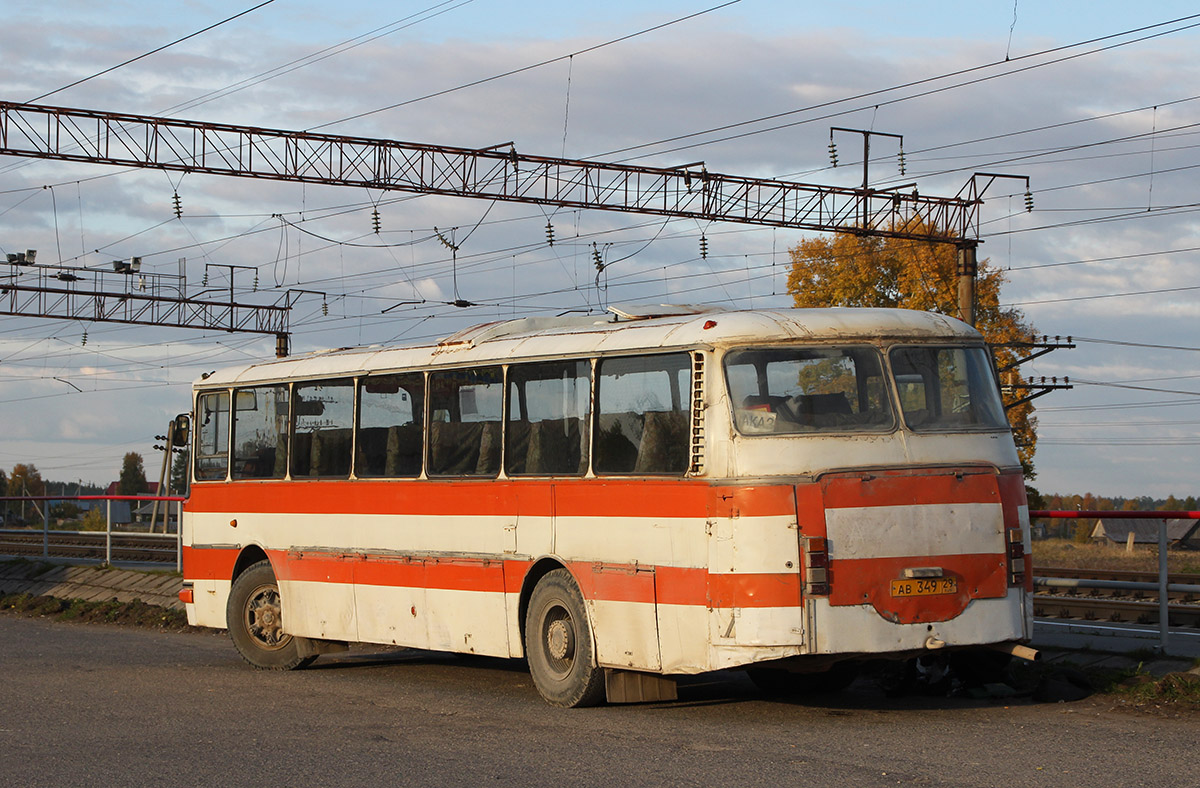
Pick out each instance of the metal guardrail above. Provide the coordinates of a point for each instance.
(1163, 587)
(109, 532)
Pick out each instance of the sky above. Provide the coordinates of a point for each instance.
(1094, 101)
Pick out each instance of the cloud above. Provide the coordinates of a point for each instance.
(678, 81)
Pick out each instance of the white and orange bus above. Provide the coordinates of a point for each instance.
(670, 490)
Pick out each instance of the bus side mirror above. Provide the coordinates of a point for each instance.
(180, 430)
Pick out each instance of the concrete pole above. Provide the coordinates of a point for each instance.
(967, 268)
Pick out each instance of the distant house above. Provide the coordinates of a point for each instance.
(1145, 531)
(151, 488)
(124, 512)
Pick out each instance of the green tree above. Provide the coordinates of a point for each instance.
(868, 271)
(179, 474)
(133, 475)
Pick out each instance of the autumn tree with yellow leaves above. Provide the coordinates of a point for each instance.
(873, 271)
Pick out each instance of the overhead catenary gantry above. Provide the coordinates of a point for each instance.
(493, 173)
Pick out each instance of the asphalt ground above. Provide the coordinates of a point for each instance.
(95, 705)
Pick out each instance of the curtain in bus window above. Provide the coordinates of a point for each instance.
(260, 432)
(212, 435)
(324, 422)
(796, 390)
(643, 410)
(947, 388)
(391, 410)
(465, 410)
(548, 410)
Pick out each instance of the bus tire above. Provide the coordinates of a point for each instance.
(784, 684)
(254, 618)
(558, 644)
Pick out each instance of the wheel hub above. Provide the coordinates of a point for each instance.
(560, 640)
(263, 618)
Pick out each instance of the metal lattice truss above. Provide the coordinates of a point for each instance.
(36, 294)
(493, 173)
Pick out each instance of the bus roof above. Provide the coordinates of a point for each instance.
(630, 328)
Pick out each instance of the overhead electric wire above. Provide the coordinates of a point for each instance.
(530, 67)
(151, 52)
(341, 47)
(914, 83)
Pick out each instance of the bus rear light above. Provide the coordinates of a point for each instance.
(1016, 557)
(816, 566)
(186, 594)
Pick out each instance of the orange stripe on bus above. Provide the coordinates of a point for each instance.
(495, 498)
(667, 585)
(858, 581)
(902, 489)
(207, 563)
(481, 497)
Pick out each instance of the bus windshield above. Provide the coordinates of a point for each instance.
(808, 389)
(947, 388)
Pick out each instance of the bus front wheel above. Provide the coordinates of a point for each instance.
(558, 644)
(254, 618)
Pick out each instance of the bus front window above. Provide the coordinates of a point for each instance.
(796, 390)
(947, 388)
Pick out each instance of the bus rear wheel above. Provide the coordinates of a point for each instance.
(254, 616)
(558, 644)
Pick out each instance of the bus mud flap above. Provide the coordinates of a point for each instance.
(311, 647)
(628, 686)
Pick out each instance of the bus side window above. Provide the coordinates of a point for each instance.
(324, 418)
(464, 434)
(212, 435)
(548, 410)
(391, 439)
(642, 414)
(260, 432)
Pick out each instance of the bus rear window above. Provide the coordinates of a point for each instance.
(947, 388)
(797, 390)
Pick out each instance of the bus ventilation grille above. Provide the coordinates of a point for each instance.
(696, 465)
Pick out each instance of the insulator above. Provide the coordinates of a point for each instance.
(204, 281)
(375, 222)
(903, 169)
(703, 247)
(445, 241)
(83, 339)
(549, 233)
(324, 308)
(599, 261)
(1028, 201)
(255, 280)
(177, 204)
(833, 157)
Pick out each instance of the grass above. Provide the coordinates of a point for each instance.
(1131, 687)
(1066, 553)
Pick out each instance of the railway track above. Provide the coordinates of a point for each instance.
(1140, 607)
(1116, 605)
(156, 548)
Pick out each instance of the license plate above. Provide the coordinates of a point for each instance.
(925, 586)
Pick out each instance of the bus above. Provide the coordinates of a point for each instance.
(618, 499)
